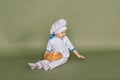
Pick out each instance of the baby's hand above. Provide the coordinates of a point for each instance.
(81, 57)
(46, 53)
(78, 55)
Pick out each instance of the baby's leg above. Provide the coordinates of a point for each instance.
(48, 65)
(32, 65)
(45, 64)
(36, 65)
(39, 65)
(57, 63)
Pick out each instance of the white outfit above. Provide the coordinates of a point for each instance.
(61, 45)
(56, 44)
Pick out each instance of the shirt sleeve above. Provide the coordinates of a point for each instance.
(49, 46)
(69, 44)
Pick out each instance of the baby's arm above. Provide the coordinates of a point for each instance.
(78, 55)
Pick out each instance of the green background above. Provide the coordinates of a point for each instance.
(93, 28)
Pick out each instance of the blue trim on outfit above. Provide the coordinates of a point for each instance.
(73, 49)
(48, 50)
(52, 36)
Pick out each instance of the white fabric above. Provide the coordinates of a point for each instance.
(57, 44)
(48, 65)
(58, 26)
(61, 45)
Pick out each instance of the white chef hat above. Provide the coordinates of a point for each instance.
(58, 26)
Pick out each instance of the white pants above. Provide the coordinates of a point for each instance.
(48, 65)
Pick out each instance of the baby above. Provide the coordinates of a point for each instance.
(58, 42)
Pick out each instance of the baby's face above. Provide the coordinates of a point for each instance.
(61, 34)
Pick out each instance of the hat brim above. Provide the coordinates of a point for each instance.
(61, 29)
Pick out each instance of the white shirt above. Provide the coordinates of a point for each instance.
(61, 45)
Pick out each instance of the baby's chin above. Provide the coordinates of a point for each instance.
(62, 37)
